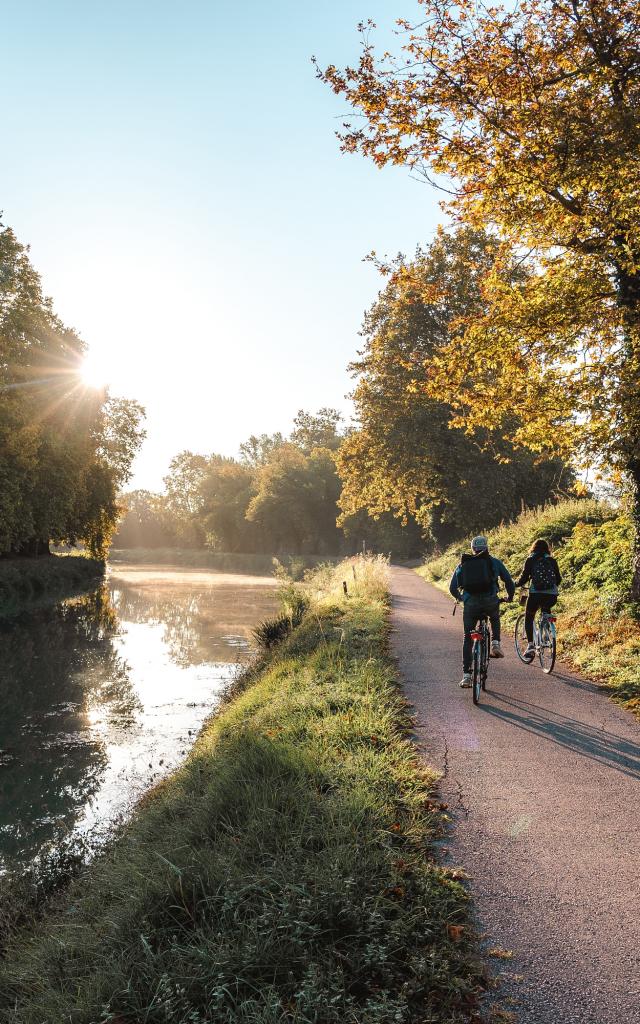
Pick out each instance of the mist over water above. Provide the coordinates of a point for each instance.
(104, 694)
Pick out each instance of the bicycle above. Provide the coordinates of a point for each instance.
(544, 639)
(481, 637)
(480, 653)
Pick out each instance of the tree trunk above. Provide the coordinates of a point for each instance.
(634, 473)
(629, 299)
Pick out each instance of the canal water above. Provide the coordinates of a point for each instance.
(101, 695)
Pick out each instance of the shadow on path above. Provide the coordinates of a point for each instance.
(595, 744)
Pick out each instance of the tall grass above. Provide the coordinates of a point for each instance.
(598, 630)
(285, 873)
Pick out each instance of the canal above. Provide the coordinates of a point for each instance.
(102, 695)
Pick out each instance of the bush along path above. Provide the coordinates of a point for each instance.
(542, 780)
(598, 629)
(284, 873)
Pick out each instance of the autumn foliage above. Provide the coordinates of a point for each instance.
(529, 118)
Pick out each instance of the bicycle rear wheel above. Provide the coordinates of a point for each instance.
(486, 647)
(547, 651)
(520, 638)
(477, 671)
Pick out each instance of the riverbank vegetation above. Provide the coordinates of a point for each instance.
(598, 630)
(65, 448)
(284, 873)
(24, 581)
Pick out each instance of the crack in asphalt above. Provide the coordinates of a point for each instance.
(461, 804)
(460, 800)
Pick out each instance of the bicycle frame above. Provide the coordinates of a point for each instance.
(544, 618)
(543, 639)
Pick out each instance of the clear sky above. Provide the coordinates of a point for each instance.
(173, 168)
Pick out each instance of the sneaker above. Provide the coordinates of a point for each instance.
(530, 652)
(466, 680)
(496, 649)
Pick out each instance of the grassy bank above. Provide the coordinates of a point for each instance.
(219, 561)
(284, 873)
(27, 581)
(599, 634)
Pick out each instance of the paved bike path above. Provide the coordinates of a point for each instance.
(543, 782)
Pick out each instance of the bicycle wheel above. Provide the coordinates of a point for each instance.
(547, 650)
(477, 672)
(520, 638)
(486, 647)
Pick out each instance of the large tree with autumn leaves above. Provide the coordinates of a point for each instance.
(529, 117)
(403, 457)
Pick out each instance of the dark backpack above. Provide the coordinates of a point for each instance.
(543, 573)
(476, 574)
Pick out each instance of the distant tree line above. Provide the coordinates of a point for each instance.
(65, 449)
(402, 480)
(279, 496)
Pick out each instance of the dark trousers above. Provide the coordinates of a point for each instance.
(535, 601)
(475, 606)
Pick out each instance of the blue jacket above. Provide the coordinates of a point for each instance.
(500, 572)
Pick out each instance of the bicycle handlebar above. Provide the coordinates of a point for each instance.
(501, 600)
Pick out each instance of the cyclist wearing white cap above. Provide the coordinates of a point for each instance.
(475, 583)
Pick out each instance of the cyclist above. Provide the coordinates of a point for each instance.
(475, 583)
(543, 572)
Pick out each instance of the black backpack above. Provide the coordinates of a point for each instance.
(476, 574)
(543, 573)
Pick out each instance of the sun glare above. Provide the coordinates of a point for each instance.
(94, 373)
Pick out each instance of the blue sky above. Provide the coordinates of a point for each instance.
(174, 169)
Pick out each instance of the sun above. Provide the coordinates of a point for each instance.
(94, 372)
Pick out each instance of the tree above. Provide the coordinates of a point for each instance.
(385, 533)
(146, 522)
(530, 116)
(65, 449)
(119, 436)
(322, 430)
(295, 504)
(257, 450)
(405, 458)
(184, 501)
(227, 489)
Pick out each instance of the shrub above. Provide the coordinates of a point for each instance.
(272, 631)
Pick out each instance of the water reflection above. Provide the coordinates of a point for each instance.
(103, 694)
